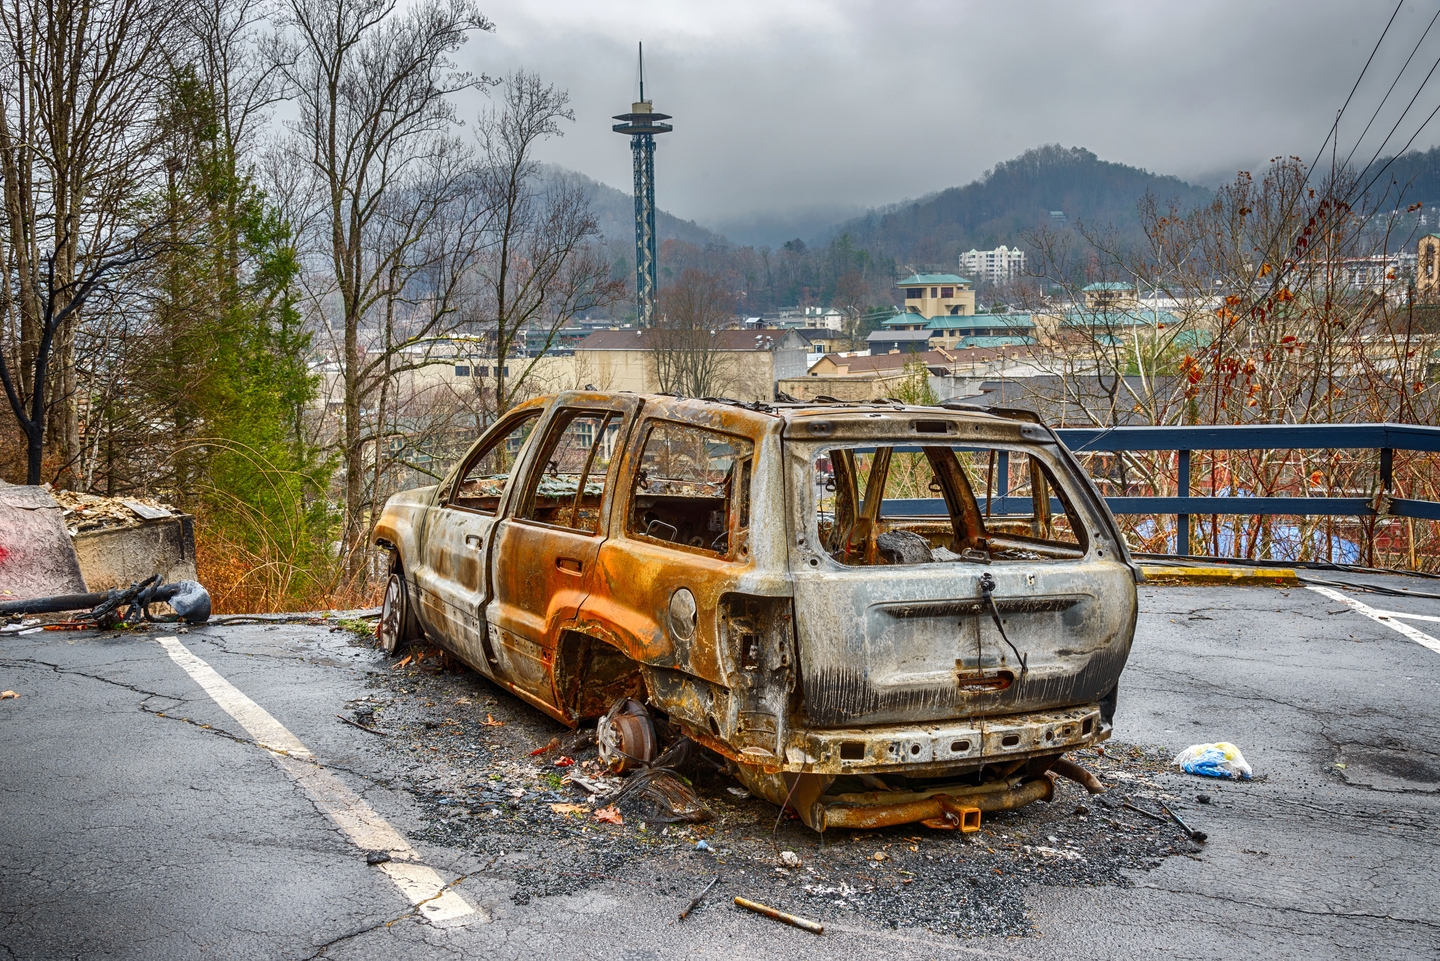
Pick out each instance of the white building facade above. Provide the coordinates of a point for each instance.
(999, 266)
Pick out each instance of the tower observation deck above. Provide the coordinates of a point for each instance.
(642, 124)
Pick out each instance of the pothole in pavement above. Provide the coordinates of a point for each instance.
(1395, 766)
(466, 746)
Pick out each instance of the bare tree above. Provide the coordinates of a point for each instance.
(683, 343)
(540, 268)
(372, 84)
(1246, 310)
(78, 88)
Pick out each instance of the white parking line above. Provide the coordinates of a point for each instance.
(1410, 617)
(368, 830)
(1382, 617)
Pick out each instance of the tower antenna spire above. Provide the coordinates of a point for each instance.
(642, 124)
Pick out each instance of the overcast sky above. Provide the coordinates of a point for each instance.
(796, 105)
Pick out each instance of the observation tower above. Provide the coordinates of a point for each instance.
(642, 124)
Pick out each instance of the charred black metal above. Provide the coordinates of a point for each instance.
(189, 599)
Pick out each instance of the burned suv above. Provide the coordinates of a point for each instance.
(879, 613)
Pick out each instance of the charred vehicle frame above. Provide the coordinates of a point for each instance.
(878, 613)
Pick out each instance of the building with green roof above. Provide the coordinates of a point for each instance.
(951, 330)
(935, 295)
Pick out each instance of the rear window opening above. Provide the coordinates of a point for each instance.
(693, 489)
(947, 503)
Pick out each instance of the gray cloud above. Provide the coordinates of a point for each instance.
(806, 105)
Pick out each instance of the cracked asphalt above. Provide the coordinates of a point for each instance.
(139, 820)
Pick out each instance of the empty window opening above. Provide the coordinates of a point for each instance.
(484, 478)
(942, 503)
(693, 489)
(567, 483)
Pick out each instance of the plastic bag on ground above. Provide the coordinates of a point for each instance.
(1221, 759)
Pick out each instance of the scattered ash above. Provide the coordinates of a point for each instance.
(467, 745)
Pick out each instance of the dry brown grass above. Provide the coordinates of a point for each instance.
(242, 580)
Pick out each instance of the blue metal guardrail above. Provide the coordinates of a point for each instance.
(1385, 438)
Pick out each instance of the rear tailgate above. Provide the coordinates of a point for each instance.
(917, 642)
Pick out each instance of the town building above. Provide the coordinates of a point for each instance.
(823, 340)
(999, 266)
(933, 295)
(950, 374)
(1109, 295)
(749, 361)
(1427, 268)
(828, 318)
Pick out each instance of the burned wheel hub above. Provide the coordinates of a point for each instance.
(392, 614)
(626, 736)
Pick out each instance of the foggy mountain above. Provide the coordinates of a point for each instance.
(1410, 178)
(615, 210)
(1010, 201)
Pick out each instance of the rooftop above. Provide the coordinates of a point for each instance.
(1109, 285)
(917, 280)
(1116, 317)
(991, 342)
(880, 363)
(902, 336)
(729, 340)
(979, 322)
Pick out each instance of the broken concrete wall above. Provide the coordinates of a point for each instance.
(121, 556)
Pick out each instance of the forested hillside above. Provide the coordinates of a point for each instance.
(1011, 201)
(614, 212)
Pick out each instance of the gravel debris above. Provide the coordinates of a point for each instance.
(466, 746)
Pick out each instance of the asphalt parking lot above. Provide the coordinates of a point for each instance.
(227, 793)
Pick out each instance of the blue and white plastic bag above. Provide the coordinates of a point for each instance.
(1221, 759)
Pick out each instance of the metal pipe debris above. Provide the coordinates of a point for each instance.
(1067, 768)
(695, 901)
(1199, 837)
(804, 924)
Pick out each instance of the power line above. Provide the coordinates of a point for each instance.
(1309, 170)
(1393, 83)
(1335, 127)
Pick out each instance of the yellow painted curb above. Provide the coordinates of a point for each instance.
(1233, 576)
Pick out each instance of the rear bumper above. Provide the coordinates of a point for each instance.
(882, 809)
(956, 746)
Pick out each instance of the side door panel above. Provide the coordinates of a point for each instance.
(457, 533)
(544, 551)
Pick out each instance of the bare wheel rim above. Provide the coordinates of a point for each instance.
(390, 614)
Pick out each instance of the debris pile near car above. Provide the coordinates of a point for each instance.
(84, 513)
(61, 542)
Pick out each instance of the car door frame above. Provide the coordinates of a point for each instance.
(452, 607)
(515, 633)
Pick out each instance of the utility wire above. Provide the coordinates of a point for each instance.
(1309, 171)
(1393, 83)
(1335, 127)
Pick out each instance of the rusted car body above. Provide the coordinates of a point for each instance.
(879, 613)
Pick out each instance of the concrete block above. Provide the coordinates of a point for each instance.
(120, 556)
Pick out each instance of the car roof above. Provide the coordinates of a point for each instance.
(738, 411)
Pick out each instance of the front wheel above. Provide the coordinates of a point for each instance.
(391, 632)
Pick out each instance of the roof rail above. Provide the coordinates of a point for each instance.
(1009, 413)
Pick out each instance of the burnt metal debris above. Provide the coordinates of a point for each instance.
(875, 615)
(804, 924)
(131, 605)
